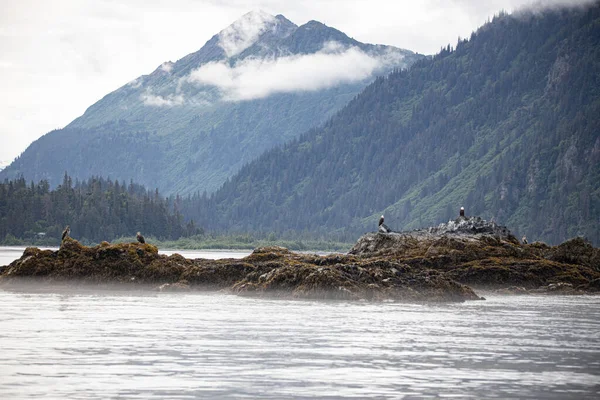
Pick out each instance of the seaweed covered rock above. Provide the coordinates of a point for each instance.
(530, 274)
(438, 264)
(481, 254)
(268, 253)
(472, 226)
(269, 271)
(576, 251)
(453, 235)
(378, 280)
(104, 263)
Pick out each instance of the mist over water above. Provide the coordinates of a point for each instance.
(91, 344)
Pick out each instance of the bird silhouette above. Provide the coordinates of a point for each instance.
(66, 232)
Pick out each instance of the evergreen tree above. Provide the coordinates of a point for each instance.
(97, 209)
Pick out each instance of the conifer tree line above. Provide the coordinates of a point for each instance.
(97, 209)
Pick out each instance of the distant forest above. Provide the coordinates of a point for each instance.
(97, 209)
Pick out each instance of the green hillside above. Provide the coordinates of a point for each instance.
(507, 125)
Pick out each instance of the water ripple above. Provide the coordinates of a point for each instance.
(101, 345)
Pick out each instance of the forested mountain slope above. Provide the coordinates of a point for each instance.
(507, 125)
(189, 125)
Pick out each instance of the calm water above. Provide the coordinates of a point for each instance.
(90, 344)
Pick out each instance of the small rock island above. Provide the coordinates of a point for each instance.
(446, 263)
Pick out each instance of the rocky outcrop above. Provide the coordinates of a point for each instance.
(268, 271)
(457, 234)
(469, 226)
(484, 255)
(437, 264)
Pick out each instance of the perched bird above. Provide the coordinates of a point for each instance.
(524, 239)
(383, 228)
(66, 232)
(462, 211)
(140, 238)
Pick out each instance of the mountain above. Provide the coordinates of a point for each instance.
(190, 125)
(506, 125)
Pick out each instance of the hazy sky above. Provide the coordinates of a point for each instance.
(58, 57)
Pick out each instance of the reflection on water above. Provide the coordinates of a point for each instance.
(98, 345)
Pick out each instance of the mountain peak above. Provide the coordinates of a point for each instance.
(247, 30)
(250, 87)
(312, 24)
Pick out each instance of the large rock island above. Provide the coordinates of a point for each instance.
(437, 264)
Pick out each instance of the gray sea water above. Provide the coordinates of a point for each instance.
(92, 344)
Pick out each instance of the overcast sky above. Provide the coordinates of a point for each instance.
(58, 57)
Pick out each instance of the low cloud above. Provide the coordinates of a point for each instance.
(244, 32)
(537, 6)
(150, 99)
(559, 3)
(167, 67)
(258, 78)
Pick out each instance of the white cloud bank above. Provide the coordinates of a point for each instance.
(167, 67)
(150, 99)
(258, 78)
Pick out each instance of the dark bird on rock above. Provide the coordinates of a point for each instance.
(462, 211)
(140, 238)
(383, 228)
(66, 232)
